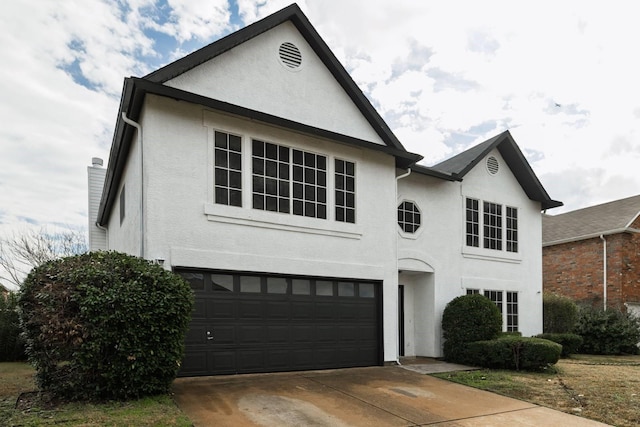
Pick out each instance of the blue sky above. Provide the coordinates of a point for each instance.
(562, 76)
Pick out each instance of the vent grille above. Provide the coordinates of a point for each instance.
(290, 55)
(492, 165)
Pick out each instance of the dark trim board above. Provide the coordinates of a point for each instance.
(245, 322)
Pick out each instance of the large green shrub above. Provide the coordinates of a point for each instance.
(570, 342)
(104, 325)
(11, 343)
(607, 332)
(559, 314)
(513, 352)
(466, 319)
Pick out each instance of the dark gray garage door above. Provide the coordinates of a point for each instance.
(248, 322)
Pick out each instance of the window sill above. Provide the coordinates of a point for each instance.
(280, 221)
(491, 255)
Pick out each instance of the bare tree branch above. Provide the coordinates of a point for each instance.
(23, 250)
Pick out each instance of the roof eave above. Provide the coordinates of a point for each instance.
(134, 92)
(590, 236)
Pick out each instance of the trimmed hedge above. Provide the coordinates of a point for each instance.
(11, 343)
(513, 352)
(105, 325)
(608, 332)
(560, 314)
(570, 342)
(466, 319)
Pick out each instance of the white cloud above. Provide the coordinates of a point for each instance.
(444, 75)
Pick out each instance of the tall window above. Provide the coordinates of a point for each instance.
(512, 311)
(228, 169)
(512, 229)
(309, 184)
(345, 173)
(510, 317)
(270, 177)
(492, 226)
(496, 297)
(473, 223)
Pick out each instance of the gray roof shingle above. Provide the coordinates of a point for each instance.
(607, 218)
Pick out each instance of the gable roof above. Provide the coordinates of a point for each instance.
(458, 166)
(135, 90)
(604, 219)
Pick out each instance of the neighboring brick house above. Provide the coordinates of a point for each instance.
(575, 245)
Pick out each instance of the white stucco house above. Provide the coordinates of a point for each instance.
(258, 170)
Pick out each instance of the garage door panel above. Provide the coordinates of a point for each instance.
(221, 334)
(250, 309)
(278, 359)
(195, 334)
(302, 333)
(251, 334)
(278, 334)
(222, 361)
(277, 323)
(250, 360)
(220, 309)
(278, 310)
(199, 309)
(325, 309)
(301, 310)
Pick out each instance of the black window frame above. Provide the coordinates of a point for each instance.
(227, 169)
(345, 191)
(409, 216)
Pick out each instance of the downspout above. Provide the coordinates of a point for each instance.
(139, 134)
(398, 178)
(604, 268)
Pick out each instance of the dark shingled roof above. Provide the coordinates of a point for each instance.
(607, 218)
(458, 166)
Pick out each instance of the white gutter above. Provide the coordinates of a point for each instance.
(398, 178)
(604, 268)
(139, 134)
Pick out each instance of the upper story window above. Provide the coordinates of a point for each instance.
(228, 169)
(488, 228)
(409, 217)
(345, 178)
(270, 177)
(283, 177)
(309, 184)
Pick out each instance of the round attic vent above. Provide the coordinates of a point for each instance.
(290, 55)
(492, 165)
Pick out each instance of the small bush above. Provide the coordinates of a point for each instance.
(466, 319)
(570, 342)
(559, 314)
(513, 352)
(11, 343)
(607, 332)
(104, 325)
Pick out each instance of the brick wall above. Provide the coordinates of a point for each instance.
(575, 269)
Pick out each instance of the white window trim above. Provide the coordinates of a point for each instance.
(246, 215)
(401, 232)
(480, 252)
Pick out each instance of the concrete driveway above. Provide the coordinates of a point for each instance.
(376, 396)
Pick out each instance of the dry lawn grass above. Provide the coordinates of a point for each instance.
(34, 409)
(601, 388)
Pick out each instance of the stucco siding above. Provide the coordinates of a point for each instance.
(185, 228)
(251, 75)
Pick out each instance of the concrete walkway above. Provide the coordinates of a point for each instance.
(375, 396)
